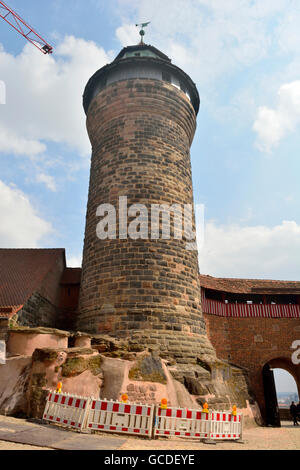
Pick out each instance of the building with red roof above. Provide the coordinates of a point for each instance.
(36, 288)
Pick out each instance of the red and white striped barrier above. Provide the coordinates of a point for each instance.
(65, 409)
(224, 425)
(182, 422)
(137, 419)
(111, 416)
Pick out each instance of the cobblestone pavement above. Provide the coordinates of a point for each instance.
(19, 434)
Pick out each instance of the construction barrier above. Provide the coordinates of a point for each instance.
(68, 410)
(225, 425)
(92, 414)
(112, 416)
(181, 422)
(215, 425)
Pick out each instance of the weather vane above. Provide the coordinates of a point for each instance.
(142, 32)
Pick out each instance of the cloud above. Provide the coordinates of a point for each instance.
(74, 261)
(273, 125)
(233, 50)
(207, 38)
(245, 251)
(127, 34)
(11, 142)
(47, 180)
(44, 97)
(251, 251)
(20, 225)
(288, 32)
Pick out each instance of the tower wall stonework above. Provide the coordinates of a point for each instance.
(146, 290)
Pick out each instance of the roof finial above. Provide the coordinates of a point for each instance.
(142, 32)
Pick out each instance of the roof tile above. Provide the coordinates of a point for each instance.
(247, 286)
(22, 272)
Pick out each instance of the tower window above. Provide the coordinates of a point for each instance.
(183, 87)
(166, 77)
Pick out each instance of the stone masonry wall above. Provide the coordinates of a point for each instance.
(252, 342)
(141, 131)
(37, 311)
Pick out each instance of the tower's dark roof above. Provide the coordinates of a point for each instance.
(139, 54)
(146, 50)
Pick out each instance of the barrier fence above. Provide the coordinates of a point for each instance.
(150, 421)
(121, 417)
(224, 425)
(65, 409)
(181, 422)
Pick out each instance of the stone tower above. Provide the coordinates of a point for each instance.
(139, 283)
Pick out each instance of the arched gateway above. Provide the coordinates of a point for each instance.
(272, 412)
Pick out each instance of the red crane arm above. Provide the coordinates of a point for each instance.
(12, 18)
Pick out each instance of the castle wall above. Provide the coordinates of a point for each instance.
(252, 342)
(37, 311)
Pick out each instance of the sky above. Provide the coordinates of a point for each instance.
(243, 56)
(284, 382)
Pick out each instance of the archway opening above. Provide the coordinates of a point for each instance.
(286, 392)
(281, 383)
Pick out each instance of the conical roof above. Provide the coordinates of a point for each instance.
(140, 57)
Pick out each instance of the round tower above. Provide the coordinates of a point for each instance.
(140, 280)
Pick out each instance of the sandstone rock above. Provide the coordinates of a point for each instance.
(148, 369)
(39, 330)
(194, 386)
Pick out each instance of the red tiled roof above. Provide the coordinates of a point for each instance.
(21, 273)
(71, 276)
(247, 286)
(7, 312)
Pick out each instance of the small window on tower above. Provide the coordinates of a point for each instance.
(166, 77)
(183, 87)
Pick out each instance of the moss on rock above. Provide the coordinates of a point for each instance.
(45, 355)
(94, 365)
(74, 352)
(74, 366)
(148, 369)
(38, 380)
